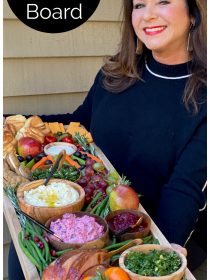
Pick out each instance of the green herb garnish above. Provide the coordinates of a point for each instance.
(153, 263)
(80, 139)
(66, 172)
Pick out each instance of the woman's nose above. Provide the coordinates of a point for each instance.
(150, 12)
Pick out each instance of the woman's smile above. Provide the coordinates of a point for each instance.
(154, 30)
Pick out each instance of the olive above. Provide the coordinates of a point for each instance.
(37, 159)
(82, 167)
(41, 155)
(29, 158)
(83, 157)
(48, 162)
(77, 154)
(20, 158)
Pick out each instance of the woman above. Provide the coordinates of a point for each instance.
(147, 110)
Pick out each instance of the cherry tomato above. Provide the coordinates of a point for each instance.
(67, 140)
(79, 147)
(50, 139)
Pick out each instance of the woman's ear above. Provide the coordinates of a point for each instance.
(192, 23)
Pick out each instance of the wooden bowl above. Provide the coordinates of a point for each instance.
(146, 223)
(97, 243)
(43, 213)
(177, 275)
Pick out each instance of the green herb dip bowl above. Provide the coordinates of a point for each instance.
(177, 275)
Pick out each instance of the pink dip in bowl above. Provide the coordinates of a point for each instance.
(72, 229)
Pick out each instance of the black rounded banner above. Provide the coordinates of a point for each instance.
(53, 16)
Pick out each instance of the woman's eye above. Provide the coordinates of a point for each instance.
(138, 6)
(164, 2)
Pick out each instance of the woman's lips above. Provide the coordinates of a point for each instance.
(154, 30)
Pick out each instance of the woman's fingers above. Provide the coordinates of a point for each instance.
(179, 248)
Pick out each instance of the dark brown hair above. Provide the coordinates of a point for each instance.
(122, 70)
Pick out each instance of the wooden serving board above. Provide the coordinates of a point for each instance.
(154, 229)
(29, 270)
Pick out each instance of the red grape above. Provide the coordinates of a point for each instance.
(96, 177)
(89, 171)
(89, 162)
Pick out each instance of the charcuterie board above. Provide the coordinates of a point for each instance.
(29, 270)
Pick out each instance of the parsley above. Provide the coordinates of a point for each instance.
(153, 263)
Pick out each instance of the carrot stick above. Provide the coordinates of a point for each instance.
(42, 162)
(71, 161)
(39, 163)
(91, 156)
(49, 157)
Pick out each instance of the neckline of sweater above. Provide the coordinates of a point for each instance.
(165, 70)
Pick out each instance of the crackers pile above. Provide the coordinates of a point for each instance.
(72, 128)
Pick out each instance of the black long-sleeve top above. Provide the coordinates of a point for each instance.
(148, 135)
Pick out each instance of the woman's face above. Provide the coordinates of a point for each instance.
(163, 26)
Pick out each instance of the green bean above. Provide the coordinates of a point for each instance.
(117, 245)
(114, 240)
(93, 211)
(106, 210)
(33, 252)
(98, 209)
(47, 251)
(37, 229)
(94, 200)
(28, 225)
(38, 252)
(43, 252)
(26, 252)
(59, 253)
(46, 246)
(147, 239)
(101, 208)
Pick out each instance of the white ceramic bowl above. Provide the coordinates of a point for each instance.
(56, 147)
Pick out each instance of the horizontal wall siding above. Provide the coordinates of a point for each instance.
(44, 103)
(49, 75)
(90, 39)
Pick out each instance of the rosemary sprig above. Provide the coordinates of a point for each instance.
(11, 194)
(80, 139)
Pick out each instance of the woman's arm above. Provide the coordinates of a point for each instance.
(82, 114)
(183, 195)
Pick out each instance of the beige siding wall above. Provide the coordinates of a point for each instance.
(51, 73)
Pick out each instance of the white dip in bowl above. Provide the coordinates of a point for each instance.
(52, 195)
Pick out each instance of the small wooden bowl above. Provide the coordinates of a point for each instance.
(42, 213)
(130, 235)
(177, 275)
(96, 243)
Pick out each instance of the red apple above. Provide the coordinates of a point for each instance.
(123, 197)
(28, 146)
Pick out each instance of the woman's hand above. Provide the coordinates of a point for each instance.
(179, 248)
